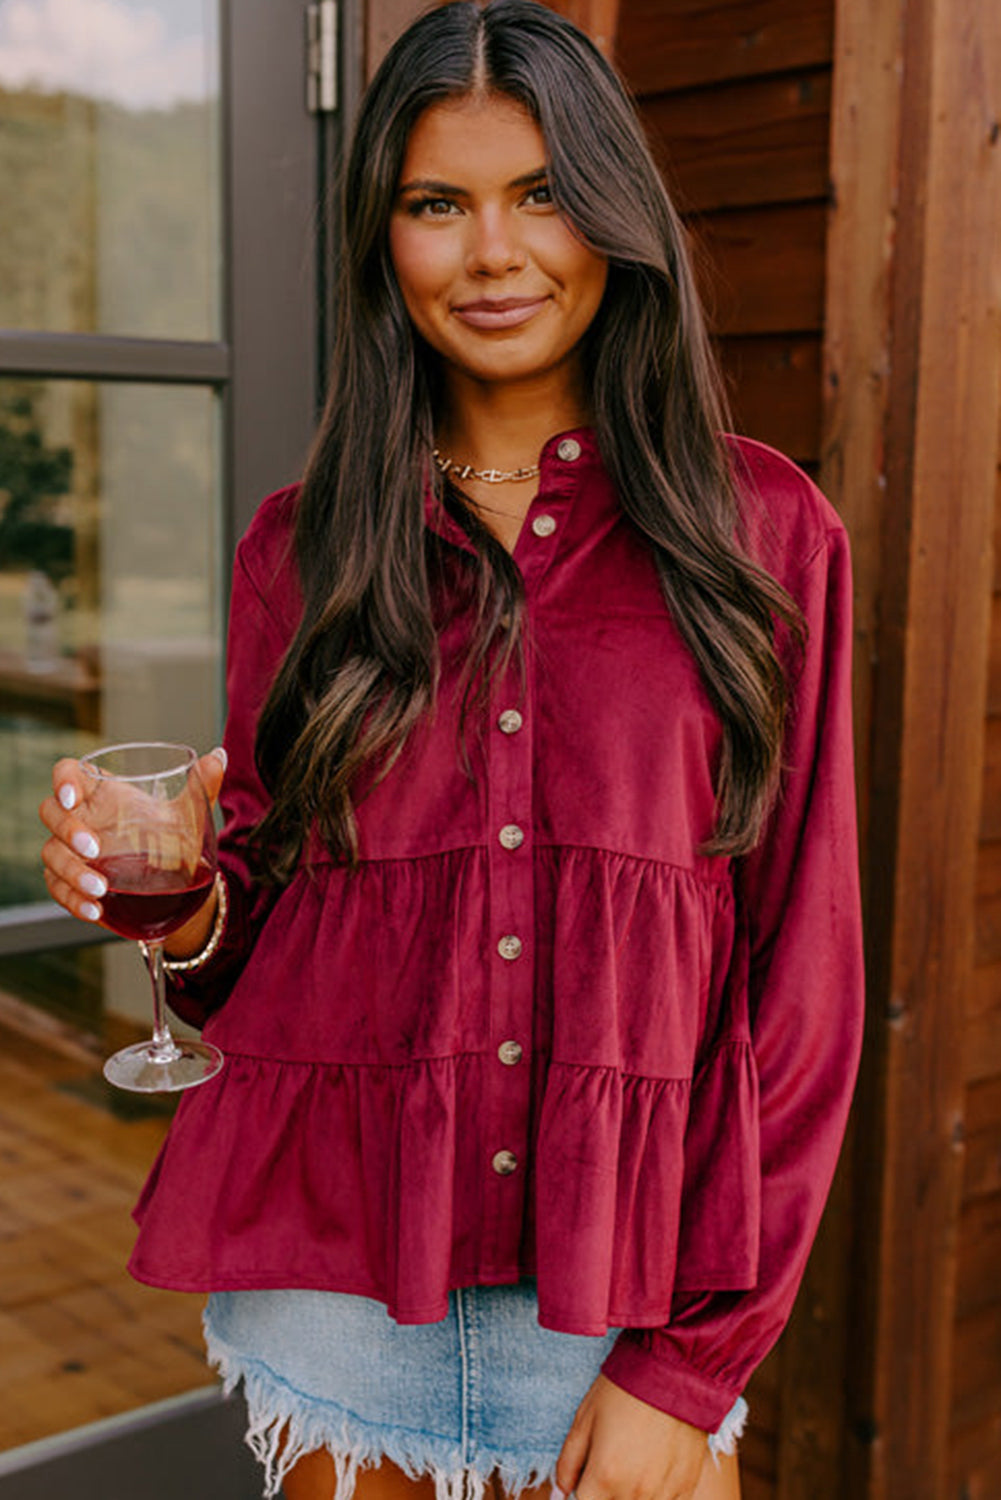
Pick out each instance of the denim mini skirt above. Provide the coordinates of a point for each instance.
(486, 1388)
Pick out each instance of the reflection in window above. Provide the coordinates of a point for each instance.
(109, 585)
(109, 630)
(109, 167)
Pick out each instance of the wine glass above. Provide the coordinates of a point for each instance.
(147, 808)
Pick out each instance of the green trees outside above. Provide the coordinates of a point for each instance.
(33, 476)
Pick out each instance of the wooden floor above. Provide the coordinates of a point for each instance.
(79, 1339)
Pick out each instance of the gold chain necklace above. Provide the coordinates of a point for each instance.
(488, 476)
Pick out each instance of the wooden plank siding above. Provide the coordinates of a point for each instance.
(975, 1438)
(763, 140)
(665, 45)
(736, 103)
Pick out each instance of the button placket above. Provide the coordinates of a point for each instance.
(548, 515)
(506, 1086)
(509, 809)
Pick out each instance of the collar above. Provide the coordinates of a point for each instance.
(565, 457)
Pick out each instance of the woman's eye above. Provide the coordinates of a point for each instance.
(432, 208)
(540, 197)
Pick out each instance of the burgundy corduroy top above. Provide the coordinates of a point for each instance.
(536, 1032)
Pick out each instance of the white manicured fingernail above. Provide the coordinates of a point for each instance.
(67, 796)
(86, 845)
(91, 912)
(94, 885)
(220, 752)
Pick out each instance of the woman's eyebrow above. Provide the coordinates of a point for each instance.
(431, 185)
(528, 178)
(435, 185)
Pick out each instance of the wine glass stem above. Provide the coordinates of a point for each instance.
(163, 1047)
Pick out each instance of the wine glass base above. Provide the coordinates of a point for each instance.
(150, 1069)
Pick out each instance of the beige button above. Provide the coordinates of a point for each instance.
(510, 946)
(509, 1053)
(544, 525)
(510, 721)
(569, 450)
(504, 1163)
(511, 836)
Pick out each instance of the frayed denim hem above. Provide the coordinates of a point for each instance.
(284, 1424)
(724, 1439)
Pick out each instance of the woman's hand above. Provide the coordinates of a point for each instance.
(66, 855)
(621, 1448)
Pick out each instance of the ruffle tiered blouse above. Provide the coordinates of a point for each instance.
(536, 1032)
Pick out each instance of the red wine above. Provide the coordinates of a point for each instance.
(145, 901)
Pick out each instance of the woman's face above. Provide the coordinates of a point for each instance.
(492, 275)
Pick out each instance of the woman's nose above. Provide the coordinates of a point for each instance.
(494, 245)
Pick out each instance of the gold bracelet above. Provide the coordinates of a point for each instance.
(185, 965)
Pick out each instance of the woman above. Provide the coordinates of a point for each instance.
(540, 946)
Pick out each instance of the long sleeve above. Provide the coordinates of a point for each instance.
(254, 649)
(799, 897)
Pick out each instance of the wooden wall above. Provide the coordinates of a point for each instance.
(912, 396)
(975, 1407)
(736, 99)
(975, 1416)
(975, 1445)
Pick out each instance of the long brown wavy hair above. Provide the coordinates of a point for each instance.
(362, 668)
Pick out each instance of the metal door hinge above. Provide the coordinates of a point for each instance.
(321, 57)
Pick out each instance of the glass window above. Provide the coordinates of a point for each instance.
(110, 629)
(110, 592)
(109, 148)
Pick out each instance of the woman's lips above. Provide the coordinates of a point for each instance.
(501, 312)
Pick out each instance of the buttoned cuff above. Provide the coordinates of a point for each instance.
(644, 1363)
